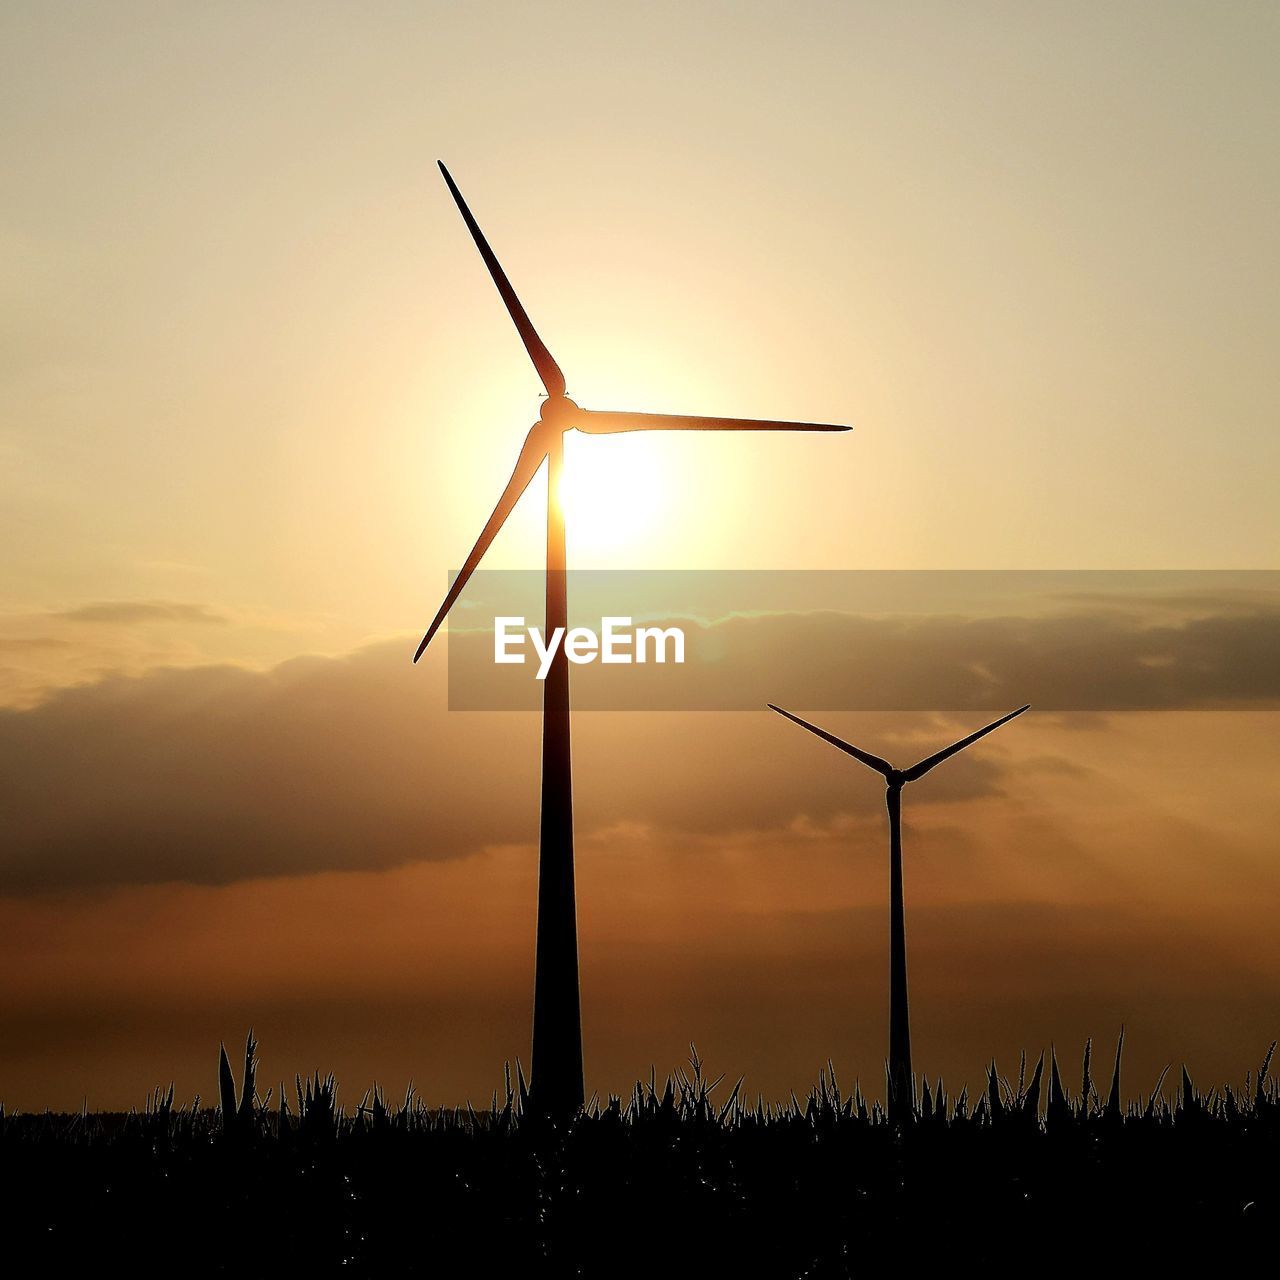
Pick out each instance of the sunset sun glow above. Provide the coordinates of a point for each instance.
(616, 492)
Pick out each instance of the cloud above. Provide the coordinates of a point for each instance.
(131, 612)
(214, 774)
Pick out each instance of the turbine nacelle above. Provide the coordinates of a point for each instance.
(560, 413)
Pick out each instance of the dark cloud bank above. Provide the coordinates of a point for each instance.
(217, 774)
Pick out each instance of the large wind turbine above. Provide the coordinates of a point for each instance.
(556, 1085)
(901, 1087)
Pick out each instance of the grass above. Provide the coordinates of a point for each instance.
(683, 1177)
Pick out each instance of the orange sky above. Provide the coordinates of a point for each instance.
(258, 397)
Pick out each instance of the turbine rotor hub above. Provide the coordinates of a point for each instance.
(558, 411)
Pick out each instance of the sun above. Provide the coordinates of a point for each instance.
(616, 492)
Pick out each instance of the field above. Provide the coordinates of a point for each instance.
(683, 1177)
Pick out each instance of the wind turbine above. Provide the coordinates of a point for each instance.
(901, 1086)
(556, 1085)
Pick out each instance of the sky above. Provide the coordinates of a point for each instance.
(257, 397)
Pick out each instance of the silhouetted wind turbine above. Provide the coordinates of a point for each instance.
(556, 1085)
(901, 1087)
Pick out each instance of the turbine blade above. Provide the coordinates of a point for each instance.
(531, 455)
(919, 770)
(872, 762)
(547, 368)
(595, 422)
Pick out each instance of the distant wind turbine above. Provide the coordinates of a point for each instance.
(901, 1086)
(556, 1085)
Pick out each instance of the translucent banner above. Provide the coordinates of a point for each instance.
(1068, 640)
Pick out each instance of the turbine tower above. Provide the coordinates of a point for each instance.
(556, 1085)
(901, 1084)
